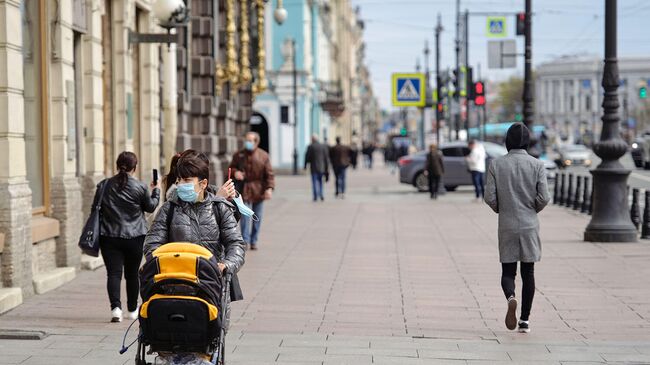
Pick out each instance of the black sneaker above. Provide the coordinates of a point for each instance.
(523, 327)
(511, 315)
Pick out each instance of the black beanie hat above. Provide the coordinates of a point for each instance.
(518, 137)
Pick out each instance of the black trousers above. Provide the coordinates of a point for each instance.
(122, 256)
(528, 290)
(433, 185)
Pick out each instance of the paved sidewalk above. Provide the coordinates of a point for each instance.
(386, 276)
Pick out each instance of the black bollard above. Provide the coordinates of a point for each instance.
(591, 197)
(556, 190)
(635, 213)
(562, 185)
(645, 227)
(569, 191)
(585, 196)
(577, 195)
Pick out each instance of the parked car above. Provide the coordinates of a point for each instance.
(574, 155)
(411, 167)
(640, 152)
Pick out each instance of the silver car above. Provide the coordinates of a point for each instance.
(412, 167)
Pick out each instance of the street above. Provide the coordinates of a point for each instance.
(385, 276)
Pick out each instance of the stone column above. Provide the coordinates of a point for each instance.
(65, 189)
(15, 195)
(93, 114)
(149, 157)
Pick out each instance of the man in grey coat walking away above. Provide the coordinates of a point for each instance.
(517, 190)
(317, 157)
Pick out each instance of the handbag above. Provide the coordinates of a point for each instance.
(89, 240)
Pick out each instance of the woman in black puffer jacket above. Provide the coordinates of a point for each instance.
(194, 214)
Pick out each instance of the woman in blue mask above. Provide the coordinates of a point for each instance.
(195, 214)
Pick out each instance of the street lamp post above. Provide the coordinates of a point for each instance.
(295, 108)
(438, 81)
(610, 221)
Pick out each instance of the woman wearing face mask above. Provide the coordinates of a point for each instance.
(195, 214)
(123, 228)
(226, 191)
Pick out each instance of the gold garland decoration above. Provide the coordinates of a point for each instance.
(245, 40)
(232, 68)
(261, 83)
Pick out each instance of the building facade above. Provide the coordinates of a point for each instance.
(333, 91)
(76, 90)
(569, 96)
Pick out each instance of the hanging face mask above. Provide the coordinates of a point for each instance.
(244, 209)
(249, 145)
(186, 192)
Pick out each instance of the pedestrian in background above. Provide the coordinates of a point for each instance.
(368, 151)
(123, 229)
(340, 158)
(517, 191)
(317, 156)
(435, 169)
(476, 165)
(253, 172)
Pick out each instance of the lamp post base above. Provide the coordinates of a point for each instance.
(611, 220)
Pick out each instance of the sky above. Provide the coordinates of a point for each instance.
(396, 30)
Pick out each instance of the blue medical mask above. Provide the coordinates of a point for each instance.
(186, 192)
(244, 209)
(249, 145)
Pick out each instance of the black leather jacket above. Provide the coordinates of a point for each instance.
(122, 213)
(196, 223)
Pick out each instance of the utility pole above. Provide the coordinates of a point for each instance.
(528, 68)
(438, 81)
(456, 109)
(468, 81)
(427, 95)
(295, 108)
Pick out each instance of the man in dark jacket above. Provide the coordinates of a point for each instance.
(340, 158)
(435, 169)
(252, 169)
(317, 158)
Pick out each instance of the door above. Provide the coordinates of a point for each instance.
(455, 166)
(259, 125)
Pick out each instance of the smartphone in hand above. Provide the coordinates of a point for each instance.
(155, 176)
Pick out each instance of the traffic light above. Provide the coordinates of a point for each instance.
(479, 93)
(521, 23)
(403, 131)
(470, 83)
(643, 92)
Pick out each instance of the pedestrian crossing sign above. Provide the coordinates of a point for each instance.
(496, 26)
(408, 89)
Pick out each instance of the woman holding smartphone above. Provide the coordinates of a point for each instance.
(123, 229)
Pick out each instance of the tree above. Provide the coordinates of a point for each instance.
(509, 102)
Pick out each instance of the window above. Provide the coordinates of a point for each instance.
(284, 114)
(588, 103)
(453, 152)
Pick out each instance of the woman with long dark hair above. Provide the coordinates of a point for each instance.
(123, 229)
(226, 191)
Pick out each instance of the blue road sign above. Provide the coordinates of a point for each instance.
(408, 90)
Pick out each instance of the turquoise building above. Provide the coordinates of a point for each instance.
(307, 27)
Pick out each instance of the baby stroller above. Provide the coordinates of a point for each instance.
(185, 300)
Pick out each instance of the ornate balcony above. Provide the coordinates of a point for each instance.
(331, 98)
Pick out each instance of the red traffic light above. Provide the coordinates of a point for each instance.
(478, 88)
(479, 100)
(440, 107)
